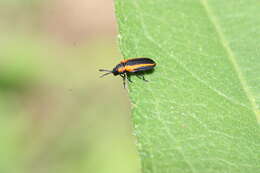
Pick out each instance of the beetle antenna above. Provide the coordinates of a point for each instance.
(103, 70)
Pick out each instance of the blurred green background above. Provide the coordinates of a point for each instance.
(56, 114)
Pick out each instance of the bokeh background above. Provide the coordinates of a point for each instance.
(56, 114)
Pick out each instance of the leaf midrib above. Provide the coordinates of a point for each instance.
(231, 58)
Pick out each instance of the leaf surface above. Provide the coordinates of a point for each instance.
(200, 111)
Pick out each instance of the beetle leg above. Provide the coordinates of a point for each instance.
(145, 79)
(128, 78)
(142, 77)
(124, 81)
(123, 76)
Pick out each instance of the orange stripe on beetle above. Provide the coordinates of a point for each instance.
(131, 66)
(121, 69)
(126, 60)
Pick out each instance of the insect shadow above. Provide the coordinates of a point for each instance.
(139, 74)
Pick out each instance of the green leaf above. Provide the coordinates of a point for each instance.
(200, 110)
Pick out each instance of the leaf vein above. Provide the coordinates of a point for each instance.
(232, 59)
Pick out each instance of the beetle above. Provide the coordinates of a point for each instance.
(133, 66)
